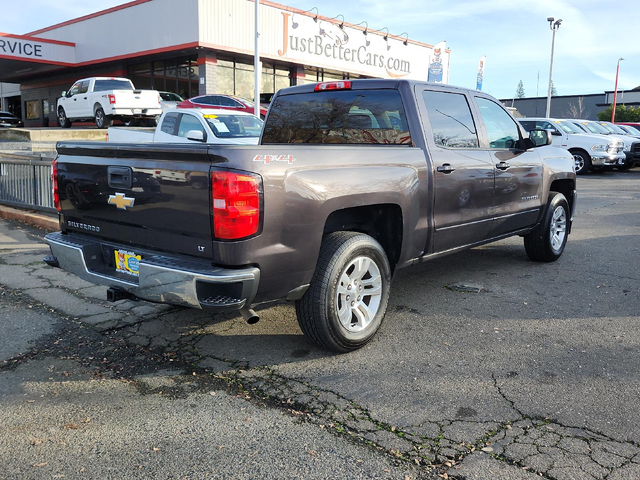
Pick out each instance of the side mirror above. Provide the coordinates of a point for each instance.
(540, 137)
(64, 93)
(195, 135)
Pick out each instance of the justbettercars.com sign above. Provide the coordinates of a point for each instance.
(325, 44)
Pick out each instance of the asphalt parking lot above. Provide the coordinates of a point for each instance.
(488, 366)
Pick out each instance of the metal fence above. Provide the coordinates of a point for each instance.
(25, 181)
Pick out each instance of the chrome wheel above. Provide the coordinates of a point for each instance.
(99, 118)
(579, 162)
(359, 294)
(558, 229)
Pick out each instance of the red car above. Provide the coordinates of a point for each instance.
(221, 101)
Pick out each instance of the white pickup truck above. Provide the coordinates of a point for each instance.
(104, 99)
(590, 151)
(208, 125)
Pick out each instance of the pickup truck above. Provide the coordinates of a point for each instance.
(104, 100)
(209, 125)
(590, 151)
(351, 181)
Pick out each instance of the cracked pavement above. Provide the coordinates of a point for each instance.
(533, 372)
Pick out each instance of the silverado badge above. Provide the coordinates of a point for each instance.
(120, 201)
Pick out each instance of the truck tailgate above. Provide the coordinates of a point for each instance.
(136, 99)
(156, 196)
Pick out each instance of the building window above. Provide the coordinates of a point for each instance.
(315, 75)
(176, 75)
(234, 77)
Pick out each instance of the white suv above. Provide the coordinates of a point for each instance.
(590, 151)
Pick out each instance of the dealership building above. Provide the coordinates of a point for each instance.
(194, 47)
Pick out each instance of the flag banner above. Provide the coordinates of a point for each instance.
(436, 66)
(483, 61)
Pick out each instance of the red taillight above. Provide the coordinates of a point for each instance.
(344, 85)
(112, 99)
(54, 185)
(236, 205)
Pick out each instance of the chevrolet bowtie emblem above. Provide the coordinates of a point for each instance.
(120, 201)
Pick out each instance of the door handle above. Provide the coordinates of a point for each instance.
(75, 99)
(503, 165)
(85, 98)
(446, 168)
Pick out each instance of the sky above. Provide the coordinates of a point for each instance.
(513, 34)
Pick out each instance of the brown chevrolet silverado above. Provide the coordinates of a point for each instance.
(351, 181)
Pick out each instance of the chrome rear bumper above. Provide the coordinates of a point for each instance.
(162, 279)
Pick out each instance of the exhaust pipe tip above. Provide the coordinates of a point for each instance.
(249, 315)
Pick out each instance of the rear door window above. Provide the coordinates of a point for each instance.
(338, 117)
(451, 120)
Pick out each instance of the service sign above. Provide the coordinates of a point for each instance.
(18, 47)
(316, 42)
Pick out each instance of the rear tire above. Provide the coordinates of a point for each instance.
(345, 304)
(63, 121)
(102, 120)
(546, 243)
(582, 161)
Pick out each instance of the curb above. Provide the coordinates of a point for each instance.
(46, 222)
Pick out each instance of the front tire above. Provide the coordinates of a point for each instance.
(546, 243)
(345, 304)
(581, 161)
(102, 120)
(63, 121)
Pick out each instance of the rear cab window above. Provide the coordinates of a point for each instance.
(169, 123)
(112, 84)
(338, 117)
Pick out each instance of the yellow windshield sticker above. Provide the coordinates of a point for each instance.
(210, 116)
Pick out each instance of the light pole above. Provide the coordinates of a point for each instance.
(615, 92)
(554, 25)
(256, 63)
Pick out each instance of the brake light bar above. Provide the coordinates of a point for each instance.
(343, 85)
(112, 99)
(236, 204)
(54, 185)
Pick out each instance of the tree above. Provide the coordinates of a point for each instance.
(520, 90)
(623, 114)
(578, 110)
(553, 90)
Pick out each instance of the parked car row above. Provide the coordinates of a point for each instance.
(596, 146)
(103, 100)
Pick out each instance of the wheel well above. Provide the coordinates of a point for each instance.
(565, 187)
(95, 108)
(581, 150)
(382, 222)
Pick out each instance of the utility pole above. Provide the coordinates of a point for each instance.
(615, 92)
(554, 25)
(256, 64)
